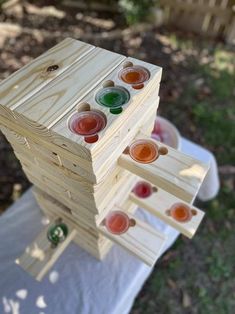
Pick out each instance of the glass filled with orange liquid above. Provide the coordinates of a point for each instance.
(145, 151)
(135, 75)
(87, 124)
(118, 222)
(181, 212)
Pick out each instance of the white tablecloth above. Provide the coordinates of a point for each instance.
(77, 283)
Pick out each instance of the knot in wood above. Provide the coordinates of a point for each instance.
(52, 68)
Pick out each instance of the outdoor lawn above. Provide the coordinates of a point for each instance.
(197, 95)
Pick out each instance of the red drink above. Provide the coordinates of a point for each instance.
(87, 124)
(143, 189)
(117, 222)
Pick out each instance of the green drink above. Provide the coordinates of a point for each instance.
(113, 98)
(57, 233)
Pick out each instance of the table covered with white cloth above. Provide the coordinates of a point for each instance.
(78, 283)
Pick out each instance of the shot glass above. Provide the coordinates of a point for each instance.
(181, 212)
(134, 75)
(117, 222)
(114, 98)
(143, 189)
(145, 151)
(57, 233)
(87, 124)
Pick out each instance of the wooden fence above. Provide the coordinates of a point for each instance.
(214, 18)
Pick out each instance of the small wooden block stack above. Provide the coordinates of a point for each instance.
(79, 182)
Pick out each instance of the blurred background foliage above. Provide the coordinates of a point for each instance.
(136, 11)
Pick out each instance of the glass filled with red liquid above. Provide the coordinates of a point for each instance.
(87, 124)
(143, 189)
(135, 75)
(118, 222)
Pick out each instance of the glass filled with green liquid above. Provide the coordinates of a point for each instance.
(57, 233)
(114, 98)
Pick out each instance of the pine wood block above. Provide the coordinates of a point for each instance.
(145, 118)
(39, 256)
(108, 155)
(159, 202)
(96, 245)
(65, 91)
(83, 215)
(145, 123)
(79, 212)
(88, 238)
(55, 208)
(175, 172)
(95, 203)
(142, 240)
(120, 197)
(30, 79)
(94, 251)
(50, 104)
(111, 134)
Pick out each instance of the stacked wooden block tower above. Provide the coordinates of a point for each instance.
(79, 119)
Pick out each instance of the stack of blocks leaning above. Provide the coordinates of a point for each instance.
(79, 119)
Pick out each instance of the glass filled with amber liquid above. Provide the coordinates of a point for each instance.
(181, 212)
(134, 75)
(145, 151)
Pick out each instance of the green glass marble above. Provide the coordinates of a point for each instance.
(57, 233)
(113, 98)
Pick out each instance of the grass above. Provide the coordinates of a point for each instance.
(197, 276)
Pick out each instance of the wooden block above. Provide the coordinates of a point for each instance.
(100, 255)
(145, 118)
(114, 122)
(88, 238)
(50, 104)
(79, 212)
(61, 184)
(54, 207)
(120, 197)
(39, 256)
(17, 128)
(175, 172)
(142, 240)
(108, 156)
(30, 79)
(84, 216)
(42, 110)
(161, 201)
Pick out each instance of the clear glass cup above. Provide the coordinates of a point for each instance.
(118, 222)
(87, 124)
(135, 75)
(181, 212)
(114, 98)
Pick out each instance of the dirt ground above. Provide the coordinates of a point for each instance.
(197, 94)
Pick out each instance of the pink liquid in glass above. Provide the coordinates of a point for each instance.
(117, 222)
